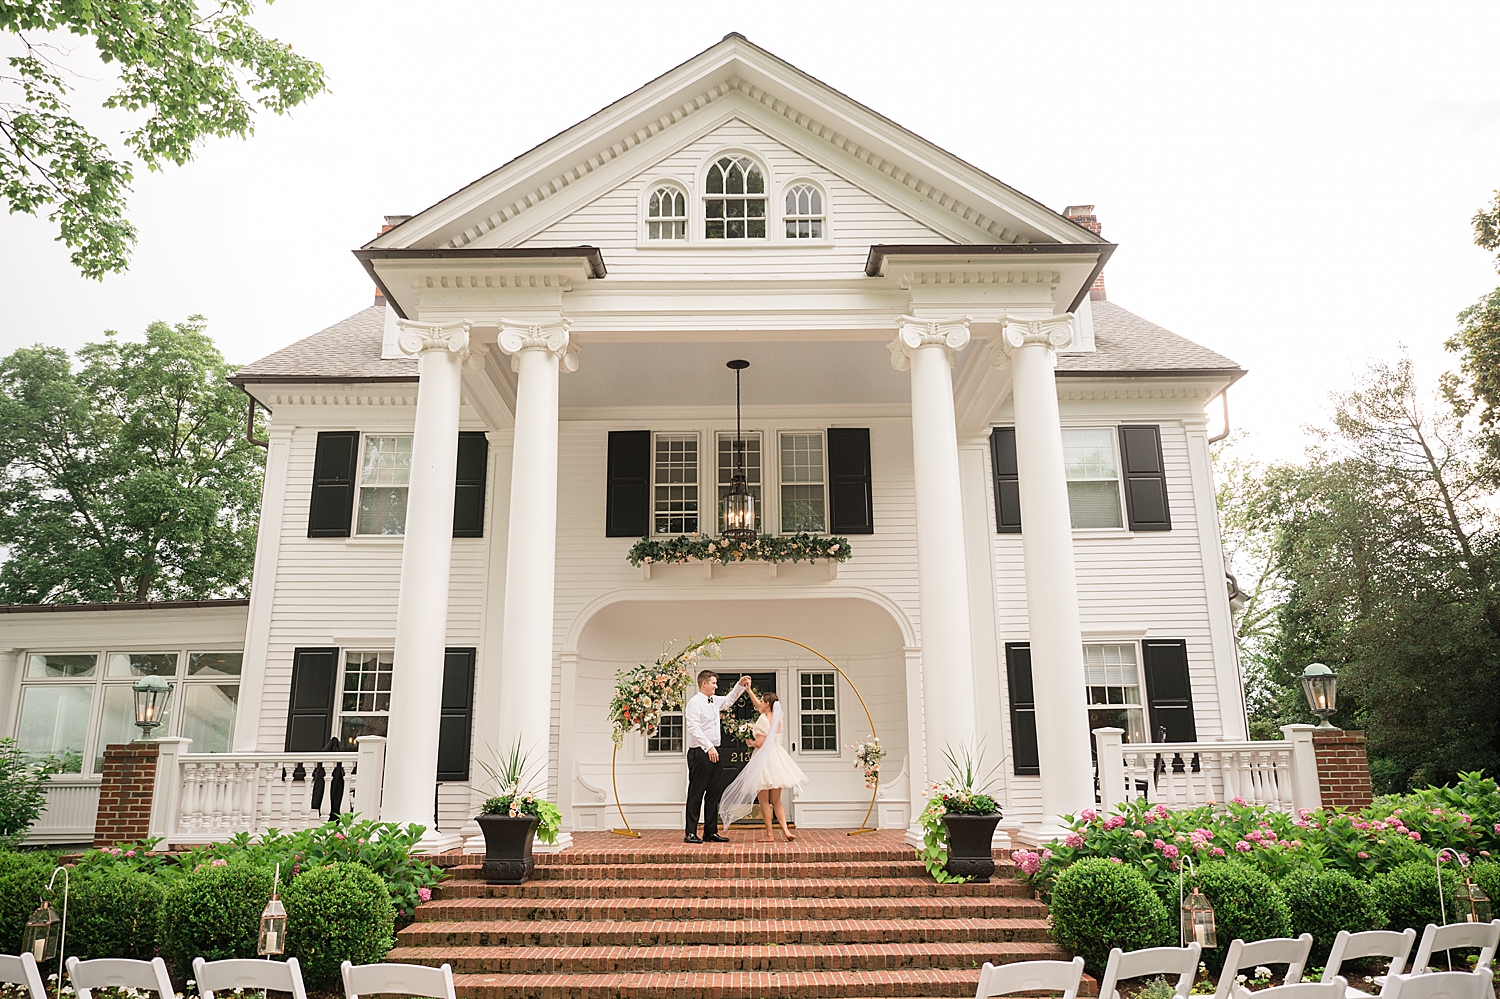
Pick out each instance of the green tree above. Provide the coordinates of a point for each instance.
(129, 478)
(192, 74)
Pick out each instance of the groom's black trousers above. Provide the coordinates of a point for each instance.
(704, 791)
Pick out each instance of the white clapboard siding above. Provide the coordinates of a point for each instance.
(856, 219)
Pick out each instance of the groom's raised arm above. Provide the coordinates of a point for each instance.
(739, 689)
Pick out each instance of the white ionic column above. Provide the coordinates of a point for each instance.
(928, 348)
(538, 353)
(1051, 587)
(426, 557)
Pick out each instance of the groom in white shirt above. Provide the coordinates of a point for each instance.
(701, 719)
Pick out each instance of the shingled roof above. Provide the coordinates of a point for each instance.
(349, 351)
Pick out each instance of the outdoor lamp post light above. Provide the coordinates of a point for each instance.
(1473, 904)
(739, 502)
(151, 696)
(1197, 916)
(1321, 687)
(272, 923)
(42, 932)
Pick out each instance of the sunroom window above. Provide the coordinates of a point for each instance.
(735, 205)
(804, 212)
(666, 214)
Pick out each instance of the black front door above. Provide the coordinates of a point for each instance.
(734, 753)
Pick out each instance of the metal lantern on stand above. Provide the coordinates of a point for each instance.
(43, 932)
(272, 938)
(739, 502)
(1473, 904)
(1321, 686)
(151, 696)
(1197, 915)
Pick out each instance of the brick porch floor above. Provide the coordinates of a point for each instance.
(655, 918)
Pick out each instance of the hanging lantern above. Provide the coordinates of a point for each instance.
(42, 932)
(272, 923)
(151, 696)
(739, 502)
(1473, 904)
(1321, 687)
(1198, 921)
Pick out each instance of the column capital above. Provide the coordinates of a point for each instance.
(1055, 332)
(912, 334)
(414, 338)
(517, 336)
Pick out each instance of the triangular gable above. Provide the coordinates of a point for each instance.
(734, 77)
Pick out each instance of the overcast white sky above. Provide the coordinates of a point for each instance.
(1288, 185)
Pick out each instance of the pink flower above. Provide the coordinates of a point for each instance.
(1414, 836)
(1138, 833)
(1074, 840)
(1116, 860)
(1116, 821)
(1046, 854)
(1170, 852)
(1158, 843)
(1304, 812)
(1028, 861)
(1088, 815)
(1217, 851)
(218, 862)
(1243, 846)
(338, 835)
(1158, 812)
(1238, 800)
(130, 853)
(425, 894)
(1362, 855)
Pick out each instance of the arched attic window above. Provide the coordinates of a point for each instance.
(666, 214)
(804, 212)
(734, 205)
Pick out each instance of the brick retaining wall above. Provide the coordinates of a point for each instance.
(1343, 768)
(125, 794)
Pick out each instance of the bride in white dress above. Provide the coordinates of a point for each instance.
(770, 769)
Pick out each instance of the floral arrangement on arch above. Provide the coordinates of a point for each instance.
(765, 548)
(650, 690)
(867, 757)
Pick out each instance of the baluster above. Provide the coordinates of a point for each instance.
(192, 794)
(1190, 780)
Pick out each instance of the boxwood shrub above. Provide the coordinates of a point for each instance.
(214, 913)
(1322, 903)
(114, 913)
(1097, 904)
(1408, 896)
(1486, 875)
(337, 912)
(23, 876)
(1247, 905)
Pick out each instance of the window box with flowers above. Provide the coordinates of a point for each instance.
(768, 550)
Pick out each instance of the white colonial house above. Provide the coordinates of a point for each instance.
(456, 475)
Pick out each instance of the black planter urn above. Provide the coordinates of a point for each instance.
(507, 848)
(969, 839)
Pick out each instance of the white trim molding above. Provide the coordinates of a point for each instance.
(517, 336)
(913, 334)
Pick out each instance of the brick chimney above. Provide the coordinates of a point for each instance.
(391, 221)
(1084, 216)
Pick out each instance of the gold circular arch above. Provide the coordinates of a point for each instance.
(864, 826)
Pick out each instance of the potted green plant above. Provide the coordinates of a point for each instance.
(959, 820)
(512, 819)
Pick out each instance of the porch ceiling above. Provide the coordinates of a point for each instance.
(693, 375)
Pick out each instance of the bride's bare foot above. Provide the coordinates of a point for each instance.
(788, 835)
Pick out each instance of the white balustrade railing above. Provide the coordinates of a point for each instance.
(72, 806)
(1281, 774)
(209, 797)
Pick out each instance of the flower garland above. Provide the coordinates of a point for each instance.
(867, 757)
(765, 548)
(645, 693)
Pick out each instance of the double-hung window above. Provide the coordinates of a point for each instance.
(804, 501)
(1113, 678)
(1093, 473)
(749, 464)
(364, 697)
(384, 475)
(675, 484)
(819, 712)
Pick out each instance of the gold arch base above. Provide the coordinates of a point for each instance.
(864, 826)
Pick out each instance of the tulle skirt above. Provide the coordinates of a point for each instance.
(770, 766)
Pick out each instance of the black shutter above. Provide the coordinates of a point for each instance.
(468, 485)
(1168, 691)
(309, 717)
(332, 506)
(1007, 480)
(850, 492)
(627, 496)
(1023, 752)
(455, 730)
(1145, 479)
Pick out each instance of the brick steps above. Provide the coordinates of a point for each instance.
(734, 888)
(716, 870)
(743, 851)
(718, 932)
(733, 985)
(626, 908)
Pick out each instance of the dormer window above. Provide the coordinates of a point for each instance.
(804, 212)
(734, 206)
(666, 214)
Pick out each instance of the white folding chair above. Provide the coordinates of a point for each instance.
(1478, 984)
(1332, 989)
(119, 973)
(1371, 943)
(405, 979)
(244, 974)
(1031, 976)
(1485, 936)
(1179, 961)
(22, 971)
(1278, 950)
